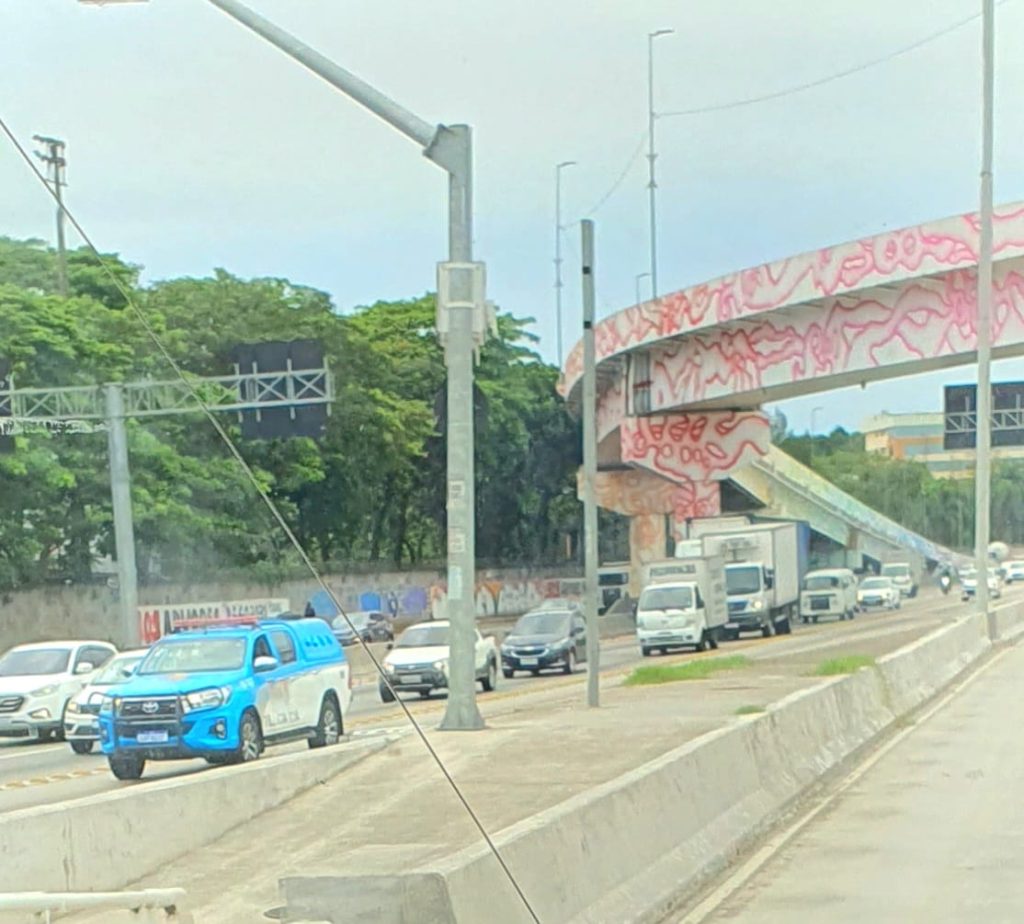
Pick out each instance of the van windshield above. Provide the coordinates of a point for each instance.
(742, 579)
(896, 570)
(666, 598)
(820, 581)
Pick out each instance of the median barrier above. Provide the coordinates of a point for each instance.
(634, 848)
(105, 842)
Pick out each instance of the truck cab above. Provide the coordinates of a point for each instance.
(225, 694)
(682, 606)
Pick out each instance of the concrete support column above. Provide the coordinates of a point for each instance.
(647, 537)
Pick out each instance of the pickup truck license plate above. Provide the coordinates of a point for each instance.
(411, 678)
(151, 737)
(528, 662)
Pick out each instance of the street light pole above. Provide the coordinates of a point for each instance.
(558, 253)
(639, 276)
(461, 304)
(121, 505)
(983, 468)
(652, 185)
(589, 411)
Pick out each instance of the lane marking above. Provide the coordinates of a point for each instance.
(751, 867)
(62, 777)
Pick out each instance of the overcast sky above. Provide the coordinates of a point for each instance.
(192, 144)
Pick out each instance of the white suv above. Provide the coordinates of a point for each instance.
(38, 681)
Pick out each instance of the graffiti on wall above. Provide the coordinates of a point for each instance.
(940, 247)
(639, 493)
(497, 596)
(698, 446)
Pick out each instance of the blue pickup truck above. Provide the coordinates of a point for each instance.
(224, 694)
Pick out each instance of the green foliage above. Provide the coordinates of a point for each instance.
(373, 489)
(750, 710)
(846, 664)
(940, 508)
(688, 670)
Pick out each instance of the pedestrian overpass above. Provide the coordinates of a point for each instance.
(682, 378)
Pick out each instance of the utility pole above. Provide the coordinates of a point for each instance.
(652, 155)
(56, 164)
(558, 254)
(590, 561)
(983, 427)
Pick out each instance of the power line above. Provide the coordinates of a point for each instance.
(621, 178)
(821, 81)
(274, 511)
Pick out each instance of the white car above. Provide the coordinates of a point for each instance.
(418, 661)
(969, 585)
(38, 681)
(878, 591)
(1014, 571)
(81, 717)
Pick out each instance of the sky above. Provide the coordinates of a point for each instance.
(193, 144)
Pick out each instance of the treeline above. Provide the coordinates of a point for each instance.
(940, 508)
(372, 490)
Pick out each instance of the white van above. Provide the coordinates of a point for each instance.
(828, 592)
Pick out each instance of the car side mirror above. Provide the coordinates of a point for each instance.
(264, 663)
(84, 667)
(578, 630)
(389, 646)
(769, 578)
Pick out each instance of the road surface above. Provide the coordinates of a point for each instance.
(40, 774)
(930, 829)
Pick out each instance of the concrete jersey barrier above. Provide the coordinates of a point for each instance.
(644, 840)
(105, 842)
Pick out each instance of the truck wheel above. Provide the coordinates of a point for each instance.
(768, 629)
(713, 639)
(805, 619)
(490, 679)
(507, 673)
(702, 645)
(127, 767)
(250, 739)
(645, 651)
(81, 747)
(328, 728)
(386, 696)
(784, 628)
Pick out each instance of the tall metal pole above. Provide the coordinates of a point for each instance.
(57, 162)
(558, 254)
(983, 470)
(652, 184)
(124, 530)
(450, 147)
(461, 712)
(590, 562)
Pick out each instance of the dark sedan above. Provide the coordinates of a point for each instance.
(371, 626)
(545, 639)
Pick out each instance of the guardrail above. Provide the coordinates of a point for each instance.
(149, 905)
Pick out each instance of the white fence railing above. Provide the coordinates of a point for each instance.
(148, 905)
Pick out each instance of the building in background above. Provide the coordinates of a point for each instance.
(919, 438)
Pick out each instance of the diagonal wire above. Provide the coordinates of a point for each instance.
(620, 179)
(274, 511)
(821, 81)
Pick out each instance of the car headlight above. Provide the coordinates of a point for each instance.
(441, 665)
(45, 691)
(73, 707)
(205, 699)
(757, 605)
(389, 668)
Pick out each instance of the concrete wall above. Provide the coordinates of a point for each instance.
(90, 611)
(630, 849)
(105, 842)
